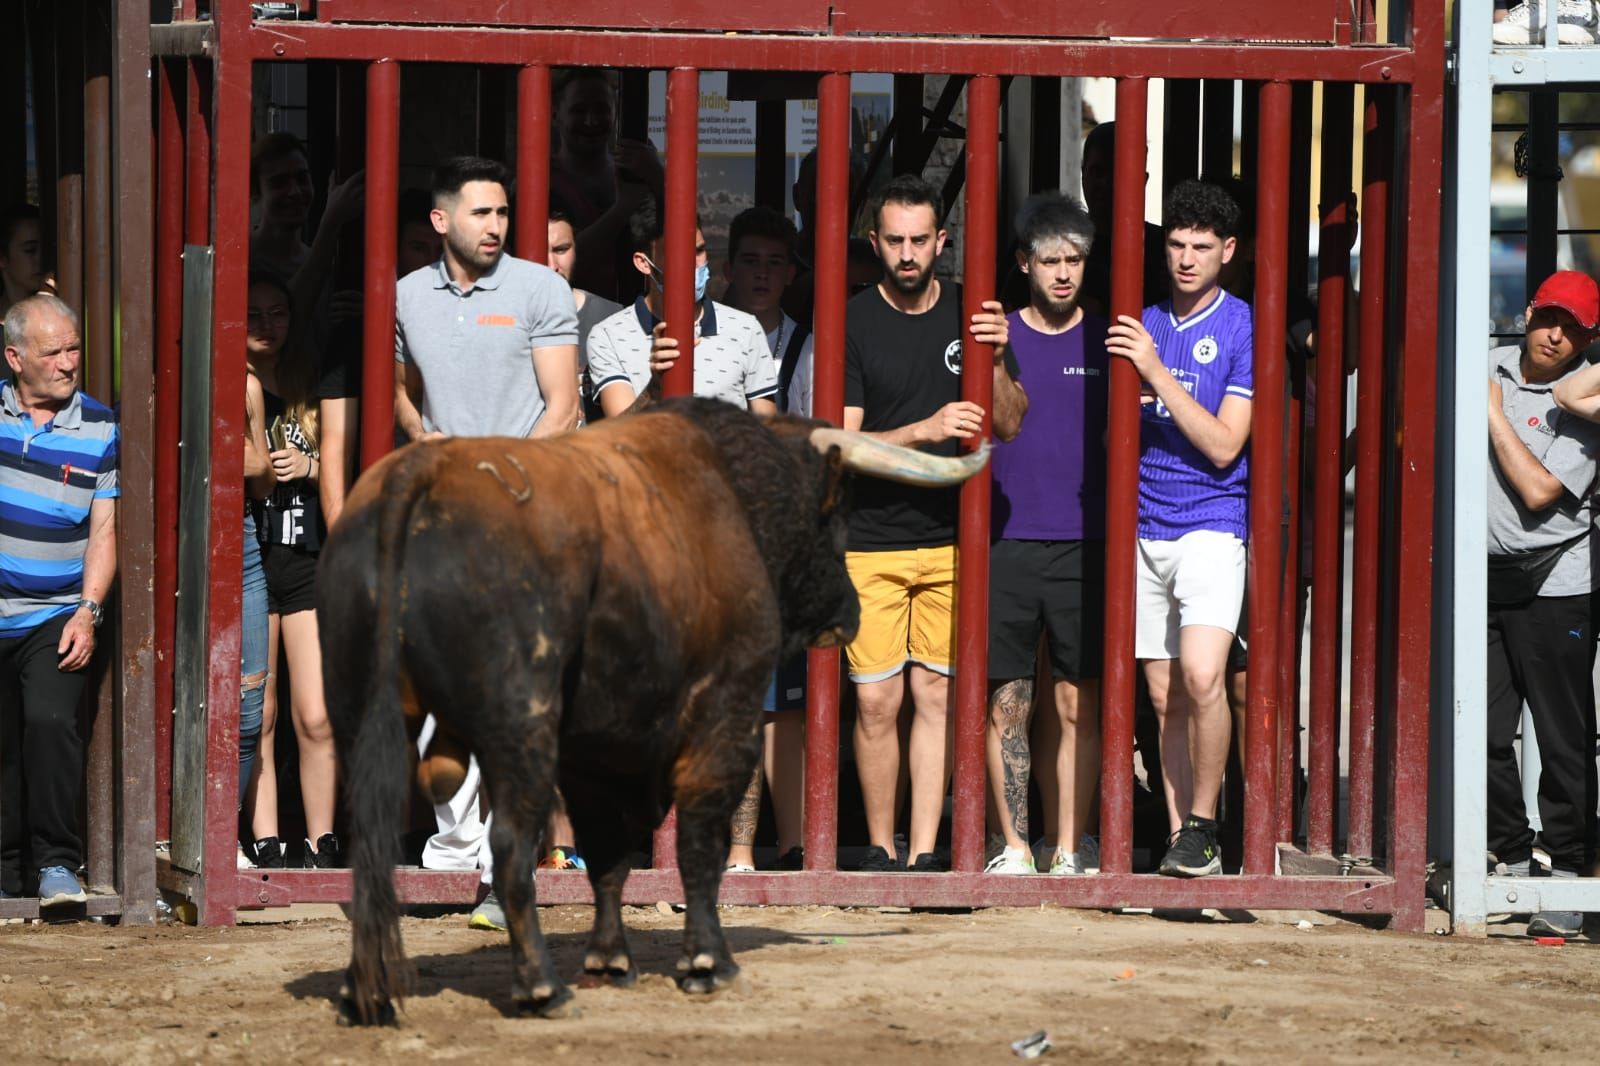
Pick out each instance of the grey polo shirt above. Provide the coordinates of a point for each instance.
(1568, 447)
(732, 361)
(475, 348)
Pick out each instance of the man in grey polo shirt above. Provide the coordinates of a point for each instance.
(487, 343)
(1541, 642)
(731, 358)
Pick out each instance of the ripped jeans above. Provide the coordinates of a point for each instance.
(252, 654)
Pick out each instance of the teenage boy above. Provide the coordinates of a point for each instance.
(1193, 353)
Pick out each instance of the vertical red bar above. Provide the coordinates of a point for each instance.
(1266, 478)
(1370, 398)
(380, 240)
(1288, 665)
(977, 386)
(197, 219)
(683, 160)
(683, 144)
(533, 162)
(827, 402)
(1327, 557)
(231, 131)
(1122, 488)
(1408, 808)
(168, 417)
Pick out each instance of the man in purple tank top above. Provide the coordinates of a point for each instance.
(1047, 563)
(1193, 353)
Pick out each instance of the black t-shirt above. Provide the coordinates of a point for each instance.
(899, 369)
(291, 516)
(341, 363)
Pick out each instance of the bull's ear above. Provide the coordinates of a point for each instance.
(834, 478)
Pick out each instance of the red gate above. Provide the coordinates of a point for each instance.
(204, 89)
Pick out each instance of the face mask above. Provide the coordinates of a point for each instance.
(702, 278)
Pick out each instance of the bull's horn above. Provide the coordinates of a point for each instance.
(867, 455)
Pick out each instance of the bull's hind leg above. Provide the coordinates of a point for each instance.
(604, 839)
(520, 770)
(710, 779)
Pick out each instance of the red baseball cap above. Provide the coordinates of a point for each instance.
(1573, 292)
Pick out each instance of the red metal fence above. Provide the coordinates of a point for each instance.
(204, 90)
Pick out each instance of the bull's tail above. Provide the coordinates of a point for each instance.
(376, 770)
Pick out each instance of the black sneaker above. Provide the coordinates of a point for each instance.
(267, 853)
(327, 855)
(929, 862)
(793, 859)
(878, 861)
(1194, 852)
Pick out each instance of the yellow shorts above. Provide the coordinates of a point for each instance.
(908, 611)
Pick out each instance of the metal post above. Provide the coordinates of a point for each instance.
(678, 266)
(1180, 154)
(231, 131)
(533, 162)
(1544, 155)
(1369, 467)
(197, 128)
(1327, 556)
(1122, 488)
(771, 153)
(908, 118)
(168, 327)
(827, 402)
(382, 210)
(1266, 478)
(1216, 145)
(68, 92)
(977, 386)
(1044, 148)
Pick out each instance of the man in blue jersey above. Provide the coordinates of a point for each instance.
(1193, 353)
(58, 557)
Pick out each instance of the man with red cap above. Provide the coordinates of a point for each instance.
(1545, 451)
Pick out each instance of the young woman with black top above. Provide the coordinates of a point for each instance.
(289, 525)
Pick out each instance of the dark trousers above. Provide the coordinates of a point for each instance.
(41, 755)
(1543, 653)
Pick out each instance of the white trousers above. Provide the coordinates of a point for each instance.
(462, 842)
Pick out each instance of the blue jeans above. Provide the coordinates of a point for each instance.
(252, 654)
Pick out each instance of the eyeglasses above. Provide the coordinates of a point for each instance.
(275, 315)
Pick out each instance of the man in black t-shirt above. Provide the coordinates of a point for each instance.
(903, 384)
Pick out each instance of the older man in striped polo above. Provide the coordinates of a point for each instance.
(58, 558)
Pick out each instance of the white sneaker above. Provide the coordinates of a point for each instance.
(1576, 23)
(1011, 861)
(1086, 860)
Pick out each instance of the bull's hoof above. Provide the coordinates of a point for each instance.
(702, 975)
(547, 1002)
(616, 972)
(349, 1014)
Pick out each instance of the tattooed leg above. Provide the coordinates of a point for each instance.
(1010, 708)
(742, 850)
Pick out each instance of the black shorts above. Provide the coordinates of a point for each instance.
(291, 578)
(1051, 586)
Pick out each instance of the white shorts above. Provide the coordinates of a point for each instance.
(1196, 580)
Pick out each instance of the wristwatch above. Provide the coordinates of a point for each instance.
(96, 612)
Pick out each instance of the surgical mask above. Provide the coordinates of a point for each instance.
(702, 278)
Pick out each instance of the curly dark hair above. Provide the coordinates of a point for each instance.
(1201, 205)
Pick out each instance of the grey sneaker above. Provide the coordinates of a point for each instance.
(488, 915)
(1575, 22)
(57, 885)
(1556, 923)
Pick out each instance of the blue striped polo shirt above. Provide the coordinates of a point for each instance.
(1180, 490)
(49, 477)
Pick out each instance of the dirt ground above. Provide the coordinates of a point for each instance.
(819, 985)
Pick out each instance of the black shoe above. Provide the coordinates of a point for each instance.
(327, 855)
(929, 863)
(267, 854)
(793, 859)
(1194, 852)
(878, 861)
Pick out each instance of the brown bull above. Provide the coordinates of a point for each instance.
(601, 610)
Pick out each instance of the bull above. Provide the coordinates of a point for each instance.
(602, 611)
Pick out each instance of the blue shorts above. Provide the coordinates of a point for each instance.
(787, 692)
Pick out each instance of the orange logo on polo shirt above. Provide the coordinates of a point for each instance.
(497, 320)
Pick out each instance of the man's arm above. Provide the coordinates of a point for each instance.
(99, 571)
(1580, 393)
(1219, 437)
(407, 398)
(1010, 402)
(340, 419)
(1538, 487)
(556, 368)
(763, 407)
(959, 420)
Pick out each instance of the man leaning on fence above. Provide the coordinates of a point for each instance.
(58, 557)
(1541, 576)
